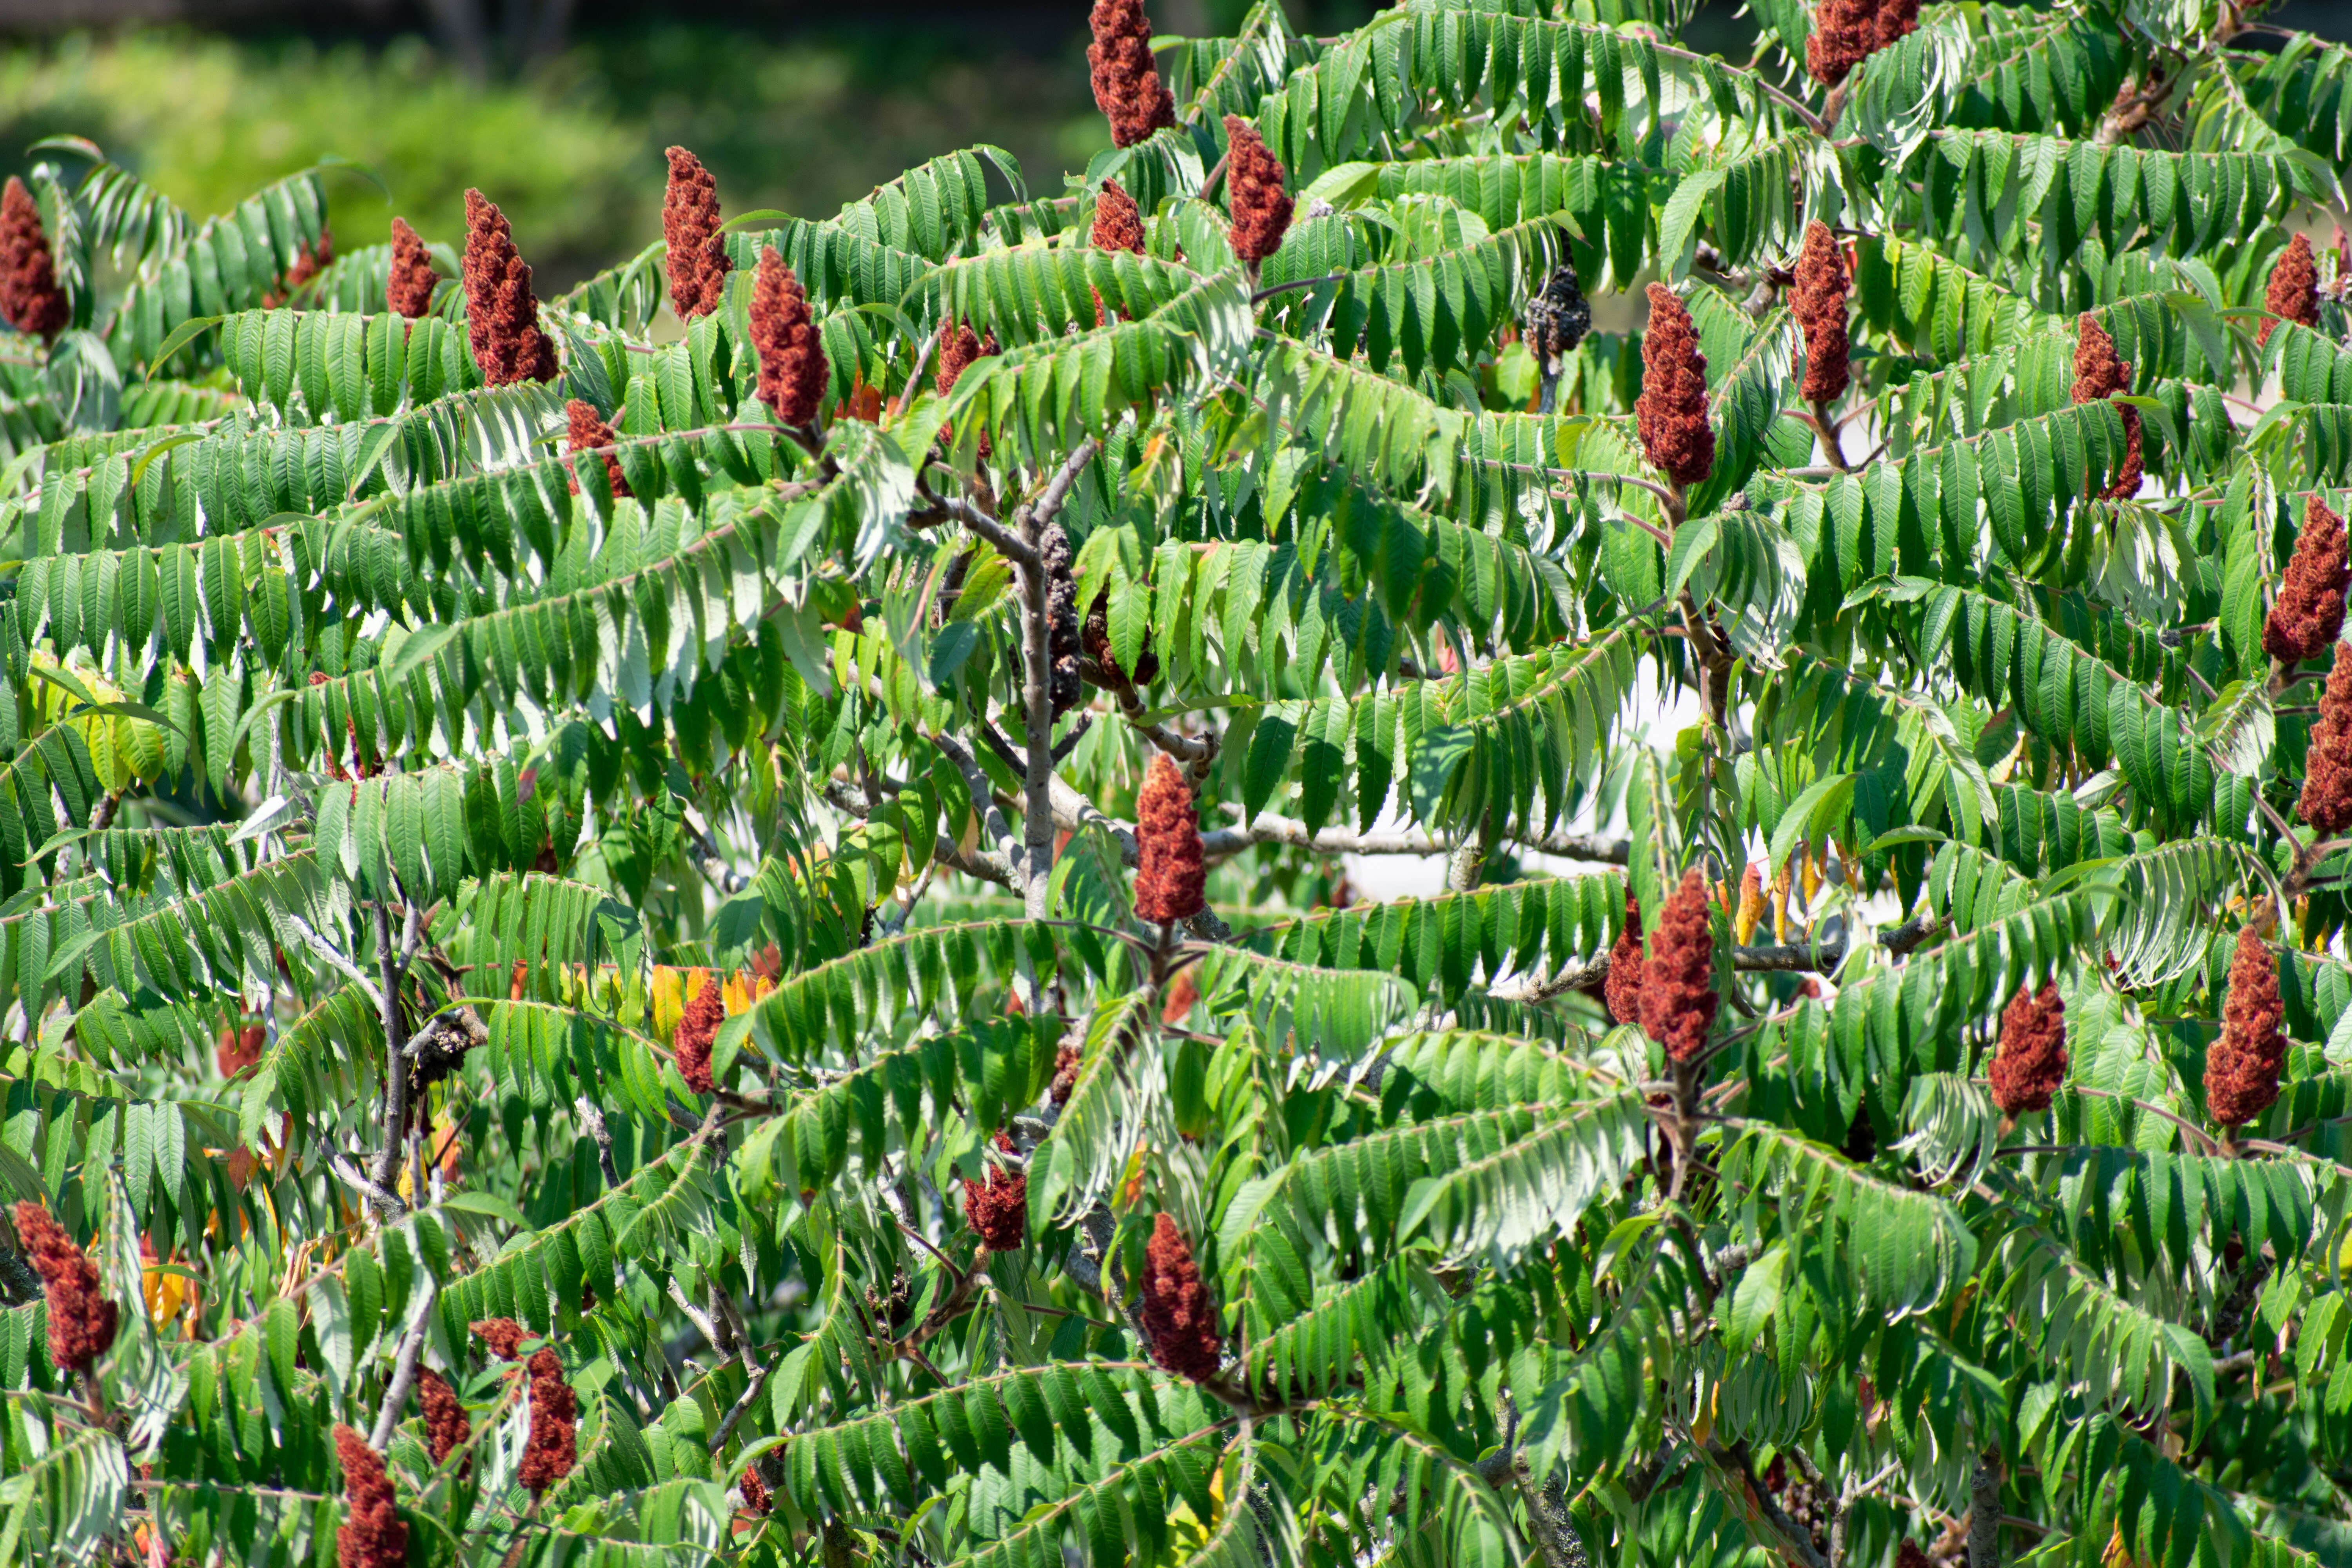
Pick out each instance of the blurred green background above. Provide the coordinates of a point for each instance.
(559, 109)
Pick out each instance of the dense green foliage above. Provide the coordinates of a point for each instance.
(351, 751)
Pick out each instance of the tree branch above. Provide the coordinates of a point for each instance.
(396, 1060)
(404, 1372)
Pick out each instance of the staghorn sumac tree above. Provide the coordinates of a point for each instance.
(707, 919)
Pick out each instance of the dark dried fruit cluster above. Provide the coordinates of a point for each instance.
(309, 261)
(1672, 410)
(1118, 222)
(2293, 293)
(587, 432)
(2242, 1071)
(998, 1204)
(1801, 1500)
(2326, 801)
(81, 1320)
(1179, 1321)
(1062, 643)
(1626, 963)
(697, 1030)
(1128, 87)
(502, 312)
(408, 288)
(1818, 303)
(554, 1446)
(1847, 32)
(2098, 376)
(754, 1490)
(372, 1534)
(792, 371)
(1253, 194)
(1679, 997)
(446, 1430)
(1556, 320)
(697, 263)
(1171, 873)
(2308, 614)
(30, 299)
(2030, 1066)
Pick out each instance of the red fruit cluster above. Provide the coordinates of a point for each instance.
(587, 432)
(1118, 222)
(792, 371)
(698, 263)
(2030, 1066)
(958, 349)
(1895, 19)
(2326, 801)
(1847, 32)
(2098, 376)
(998, 1204)
(2293, 293)
(1253, 194)
(2242, 1071)
(30, 299)
(309, 261)
(1179, 1318)
(1672, 410)
(754, 1490)
(1171, 873)
(504, 1336)
(1128, 87)
(2308, 613)
(371, 1535)
(1844, 34)
(554, 1446)
(1819, 302)
(501, 312)
(81, 1320)
(1626, 961)
(1679, 997)
(696, 1031)
(446, 1430)
(408, 288)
